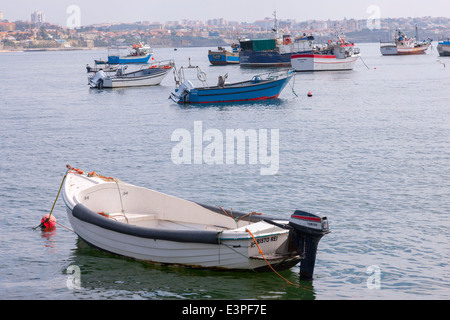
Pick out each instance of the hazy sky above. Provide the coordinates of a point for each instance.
(99, 11)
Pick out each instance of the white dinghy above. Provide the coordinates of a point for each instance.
(146, 75)
(148, 225)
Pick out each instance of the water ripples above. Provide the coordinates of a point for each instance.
(370, 150)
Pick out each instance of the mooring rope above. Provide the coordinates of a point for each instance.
(59, 224)
(57, 196)
(292, 85)
(262, 254)
(363, 62)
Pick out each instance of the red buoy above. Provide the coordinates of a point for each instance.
(48, 222)
(309, 94)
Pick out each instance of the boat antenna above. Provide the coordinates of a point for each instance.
(275, 28)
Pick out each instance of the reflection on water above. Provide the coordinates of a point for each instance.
(49, 237)
(104, 274)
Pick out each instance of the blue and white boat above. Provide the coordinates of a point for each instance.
(221, 56)
(139, 53)
(260, 87)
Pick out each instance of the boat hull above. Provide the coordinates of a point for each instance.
(229, 254)
(223, 57)
(143, 77)
(129, 59)
(137, 81)
(444, 49)
(390, 50)
(248, 91)
(314, 62)
(260, 59)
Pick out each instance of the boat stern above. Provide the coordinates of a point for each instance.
(97, 80)
(181, 94)
(388, 49)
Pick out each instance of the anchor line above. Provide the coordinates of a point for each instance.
(292, 86)
(364, 62)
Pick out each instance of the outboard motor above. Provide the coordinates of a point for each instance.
(182, 91)
(97, 80)
(308, 229)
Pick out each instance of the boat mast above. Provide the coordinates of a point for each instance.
(275, 29)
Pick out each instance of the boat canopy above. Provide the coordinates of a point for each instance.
(258, 45)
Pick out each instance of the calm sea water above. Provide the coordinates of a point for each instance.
(370, 150)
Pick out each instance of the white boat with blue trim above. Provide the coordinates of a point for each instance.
(147, 225)
(145, 75)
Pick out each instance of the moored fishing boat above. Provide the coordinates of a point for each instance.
(334, 56)
(147, 225)
(139, 53)
(265, 53)
(275, 52)
(146, 75)
(259, 87)
(221, 56)
(443, 48)
(403, 45)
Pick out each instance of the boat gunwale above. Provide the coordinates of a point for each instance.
(251, 82)
(83, 213)
(128, 77)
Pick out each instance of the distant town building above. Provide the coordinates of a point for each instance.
(38, 18)
(216, 22)
(7, 26)
(1, 15)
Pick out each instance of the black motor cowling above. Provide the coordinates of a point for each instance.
(308, 229)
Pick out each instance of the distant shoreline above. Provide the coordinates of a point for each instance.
(104, 48)
(51, 49)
